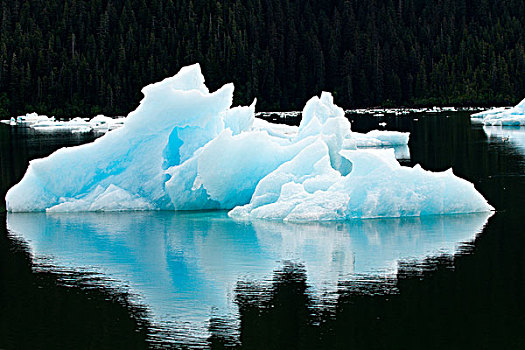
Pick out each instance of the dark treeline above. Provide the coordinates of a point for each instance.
(73, 57)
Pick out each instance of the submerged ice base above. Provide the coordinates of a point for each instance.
(185, 148)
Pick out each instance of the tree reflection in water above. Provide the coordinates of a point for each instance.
(462, 301)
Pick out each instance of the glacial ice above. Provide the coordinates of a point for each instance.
(185, 148)
(502, 116)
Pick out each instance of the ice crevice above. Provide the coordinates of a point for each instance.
(186, 148)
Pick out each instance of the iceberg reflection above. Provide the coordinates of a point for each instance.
(515, 135)
(184, 267)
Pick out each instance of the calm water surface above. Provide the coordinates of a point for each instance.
(202, 280)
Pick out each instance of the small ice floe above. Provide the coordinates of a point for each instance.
(74, 124)
(30, 119)
(278, 115)
(42, 123)
(11, 121)
(103, 124)
(98, 124)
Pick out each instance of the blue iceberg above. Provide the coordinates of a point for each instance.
(514, 116)
(186, 148)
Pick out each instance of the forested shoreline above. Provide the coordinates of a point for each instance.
(80, 57)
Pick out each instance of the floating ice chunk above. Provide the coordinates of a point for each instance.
(11, 122)
(186, 148)
(502, 116)
(98, 124)
(101, 123)
(81, 130)
(381, 138)
(32, 118)
(74, 125)
(505, 120)
(390, 138)
(488, 112)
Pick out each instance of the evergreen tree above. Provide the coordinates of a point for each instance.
(80, 57)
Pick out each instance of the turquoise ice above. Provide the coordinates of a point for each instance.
(186, 148)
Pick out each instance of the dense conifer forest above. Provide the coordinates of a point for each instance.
(82, 57)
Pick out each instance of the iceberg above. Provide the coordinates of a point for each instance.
(186, 148)
(502, 116)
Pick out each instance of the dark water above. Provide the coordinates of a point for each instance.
(201, 280)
